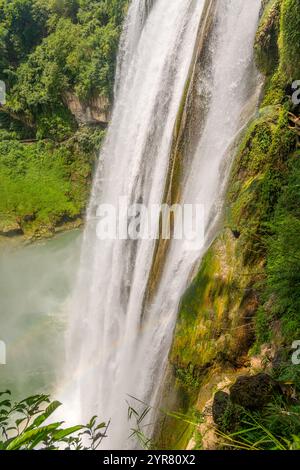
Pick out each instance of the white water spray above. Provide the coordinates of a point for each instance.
(113, 350)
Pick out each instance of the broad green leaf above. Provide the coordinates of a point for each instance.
(28, 436)
(43, 417)
(66, 432)
(5, 403)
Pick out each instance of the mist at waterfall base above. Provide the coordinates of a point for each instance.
(35, 283)
(117, 343)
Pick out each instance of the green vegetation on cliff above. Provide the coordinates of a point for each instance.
(44, 183)
(50, 47)
(243, 306)
(289, 40)
(57, 59)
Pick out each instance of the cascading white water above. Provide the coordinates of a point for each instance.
(113, 349)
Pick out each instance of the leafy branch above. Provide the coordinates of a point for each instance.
(23, 427)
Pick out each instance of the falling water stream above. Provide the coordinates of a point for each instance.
(117, 344)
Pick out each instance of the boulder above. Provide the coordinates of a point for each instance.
(220, 405)
(226, 415)
(253, 392)
(10, 229)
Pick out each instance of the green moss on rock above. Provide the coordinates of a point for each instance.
(257, 177)
(212, 315)
(245, 294)
(266, 42)
(290, 38)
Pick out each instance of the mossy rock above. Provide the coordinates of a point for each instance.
(226, 415)
(253, 392)
(220, 405)
(290, 38)
(266, 42)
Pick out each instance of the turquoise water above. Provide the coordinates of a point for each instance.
(35, 283)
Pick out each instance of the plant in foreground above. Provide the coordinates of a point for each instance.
(278, 429)
(23, 427)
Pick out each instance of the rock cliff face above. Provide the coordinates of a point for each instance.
(96, 111)
(228, 324)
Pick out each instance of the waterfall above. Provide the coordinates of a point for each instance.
(113, 348)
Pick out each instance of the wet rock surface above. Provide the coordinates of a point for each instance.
(220, 405)
(253, 392)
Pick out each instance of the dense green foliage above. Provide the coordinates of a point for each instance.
(289, 40)
(49, 47)
(50, 50)
(283, 260)
(25, 425)
(280, 291)
(43, 184)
